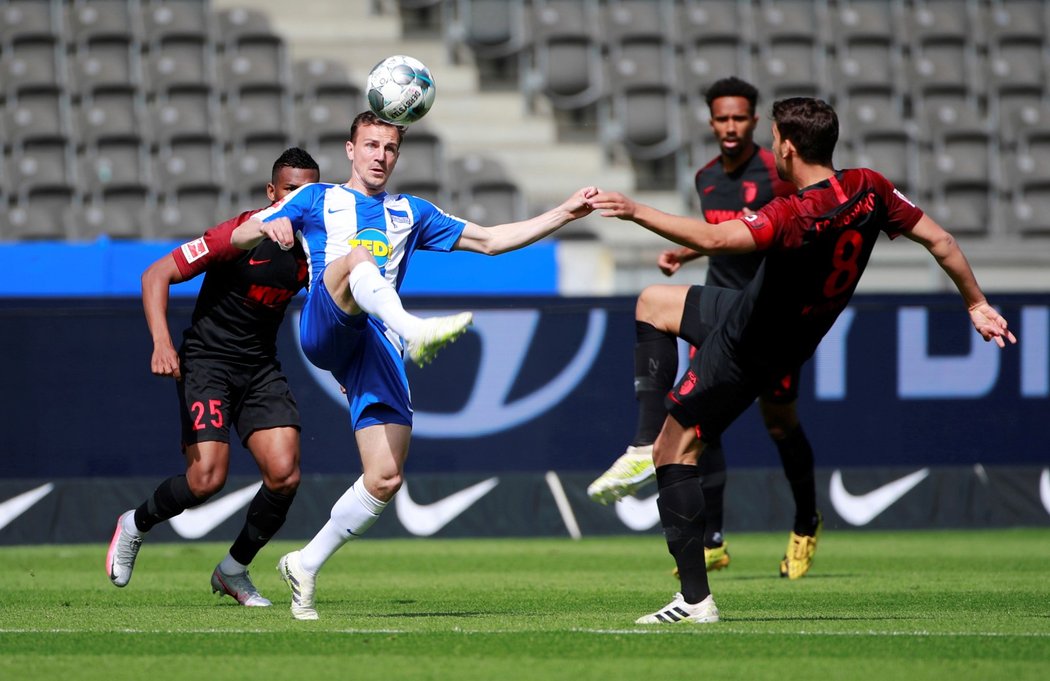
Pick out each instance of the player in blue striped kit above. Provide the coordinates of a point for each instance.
(359, 241)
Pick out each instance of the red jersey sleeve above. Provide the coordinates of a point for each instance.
(194, 257)
(902, 213)
(763, 223)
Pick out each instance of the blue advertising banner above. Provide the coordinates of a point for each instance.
(538, 384)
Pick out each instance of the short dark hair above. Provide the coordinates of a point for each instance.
(811, 125)
(293, 157)
(732, 87)
(370, 118)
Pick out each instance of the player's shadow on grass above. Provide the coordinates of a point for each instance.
(777, 578)
(826, 618)
(420, 615)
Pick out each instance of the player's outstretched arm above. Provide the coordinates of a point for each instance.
(945, 250)
(732, 236)
(514, 235)
(251, 232)
(156, 282)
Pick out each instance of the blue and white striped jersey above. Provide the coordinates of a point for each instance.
(331, 219)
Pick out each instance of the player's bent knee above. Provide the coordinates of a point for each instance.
(384, 488)
(207, 485)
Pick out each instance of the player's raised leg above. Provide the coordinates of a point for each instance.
(655, 368)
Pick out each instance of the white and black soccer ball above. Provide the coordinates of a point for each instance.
(400, 89)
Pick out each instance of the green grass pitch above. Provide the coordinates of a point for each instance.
(877, 605)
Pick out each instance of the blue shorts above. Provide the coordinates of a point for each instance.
(355, 349)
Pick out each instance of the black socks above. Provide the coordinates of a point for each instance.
(681, 505)
(655, 367)
(172, 497)
(266, 515)
(796, 455)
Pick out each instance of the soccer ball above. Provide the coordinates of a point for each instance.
(400, 89)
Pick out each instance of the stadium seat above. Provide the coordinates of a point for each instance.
(788, 67)
(646, 120)
(865, 20)
(185, 112)
(941, 19)
(940, 109)
(863, 110)
(249, 165)
(1016, 19)
(126, 211)
(258, 111)
(964, 207)
(191, 209)
(178, 18)
(179, 61)
(111, 113)
(329, 151)
(777, 20)
(316, 74)
(565, 63)
(960, 157)
(105, 62)
(90, 19)
(892, 153)
(254, 61)
(641, 60)
(329, 112)
(495, 202)
(1030, 162)
(240, 24)
(697, 21)
(41, 162)
(421, 161)
(115, 162)
(1015, 110)
(188, 161)
(1028, 210)
(29, 19)
(35, 114)
(940, 61)
(705, 61)
(490, 29)
(32, 62)
(867, 62)
(44, 212)
(633, 19)
(1017, 62)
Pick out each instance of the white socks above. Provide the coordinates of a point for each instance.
(229, 566)
(374, 294)
(352, 515)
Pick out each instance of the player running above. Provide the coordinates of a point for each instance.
(226, 373)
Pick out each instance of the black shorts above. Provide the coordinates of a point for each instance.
(215, 394)
(716, 389)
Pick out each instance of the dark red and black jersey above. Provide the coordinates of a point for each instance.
(817, 244)
(723, 196)
(244, 295)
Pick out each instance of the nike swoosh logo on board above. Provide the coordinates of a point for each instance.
(16, 506)
(194, 523)
(861, 509)
(423, 520)
(1044, 489)
(253, 261)
(638, 514)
